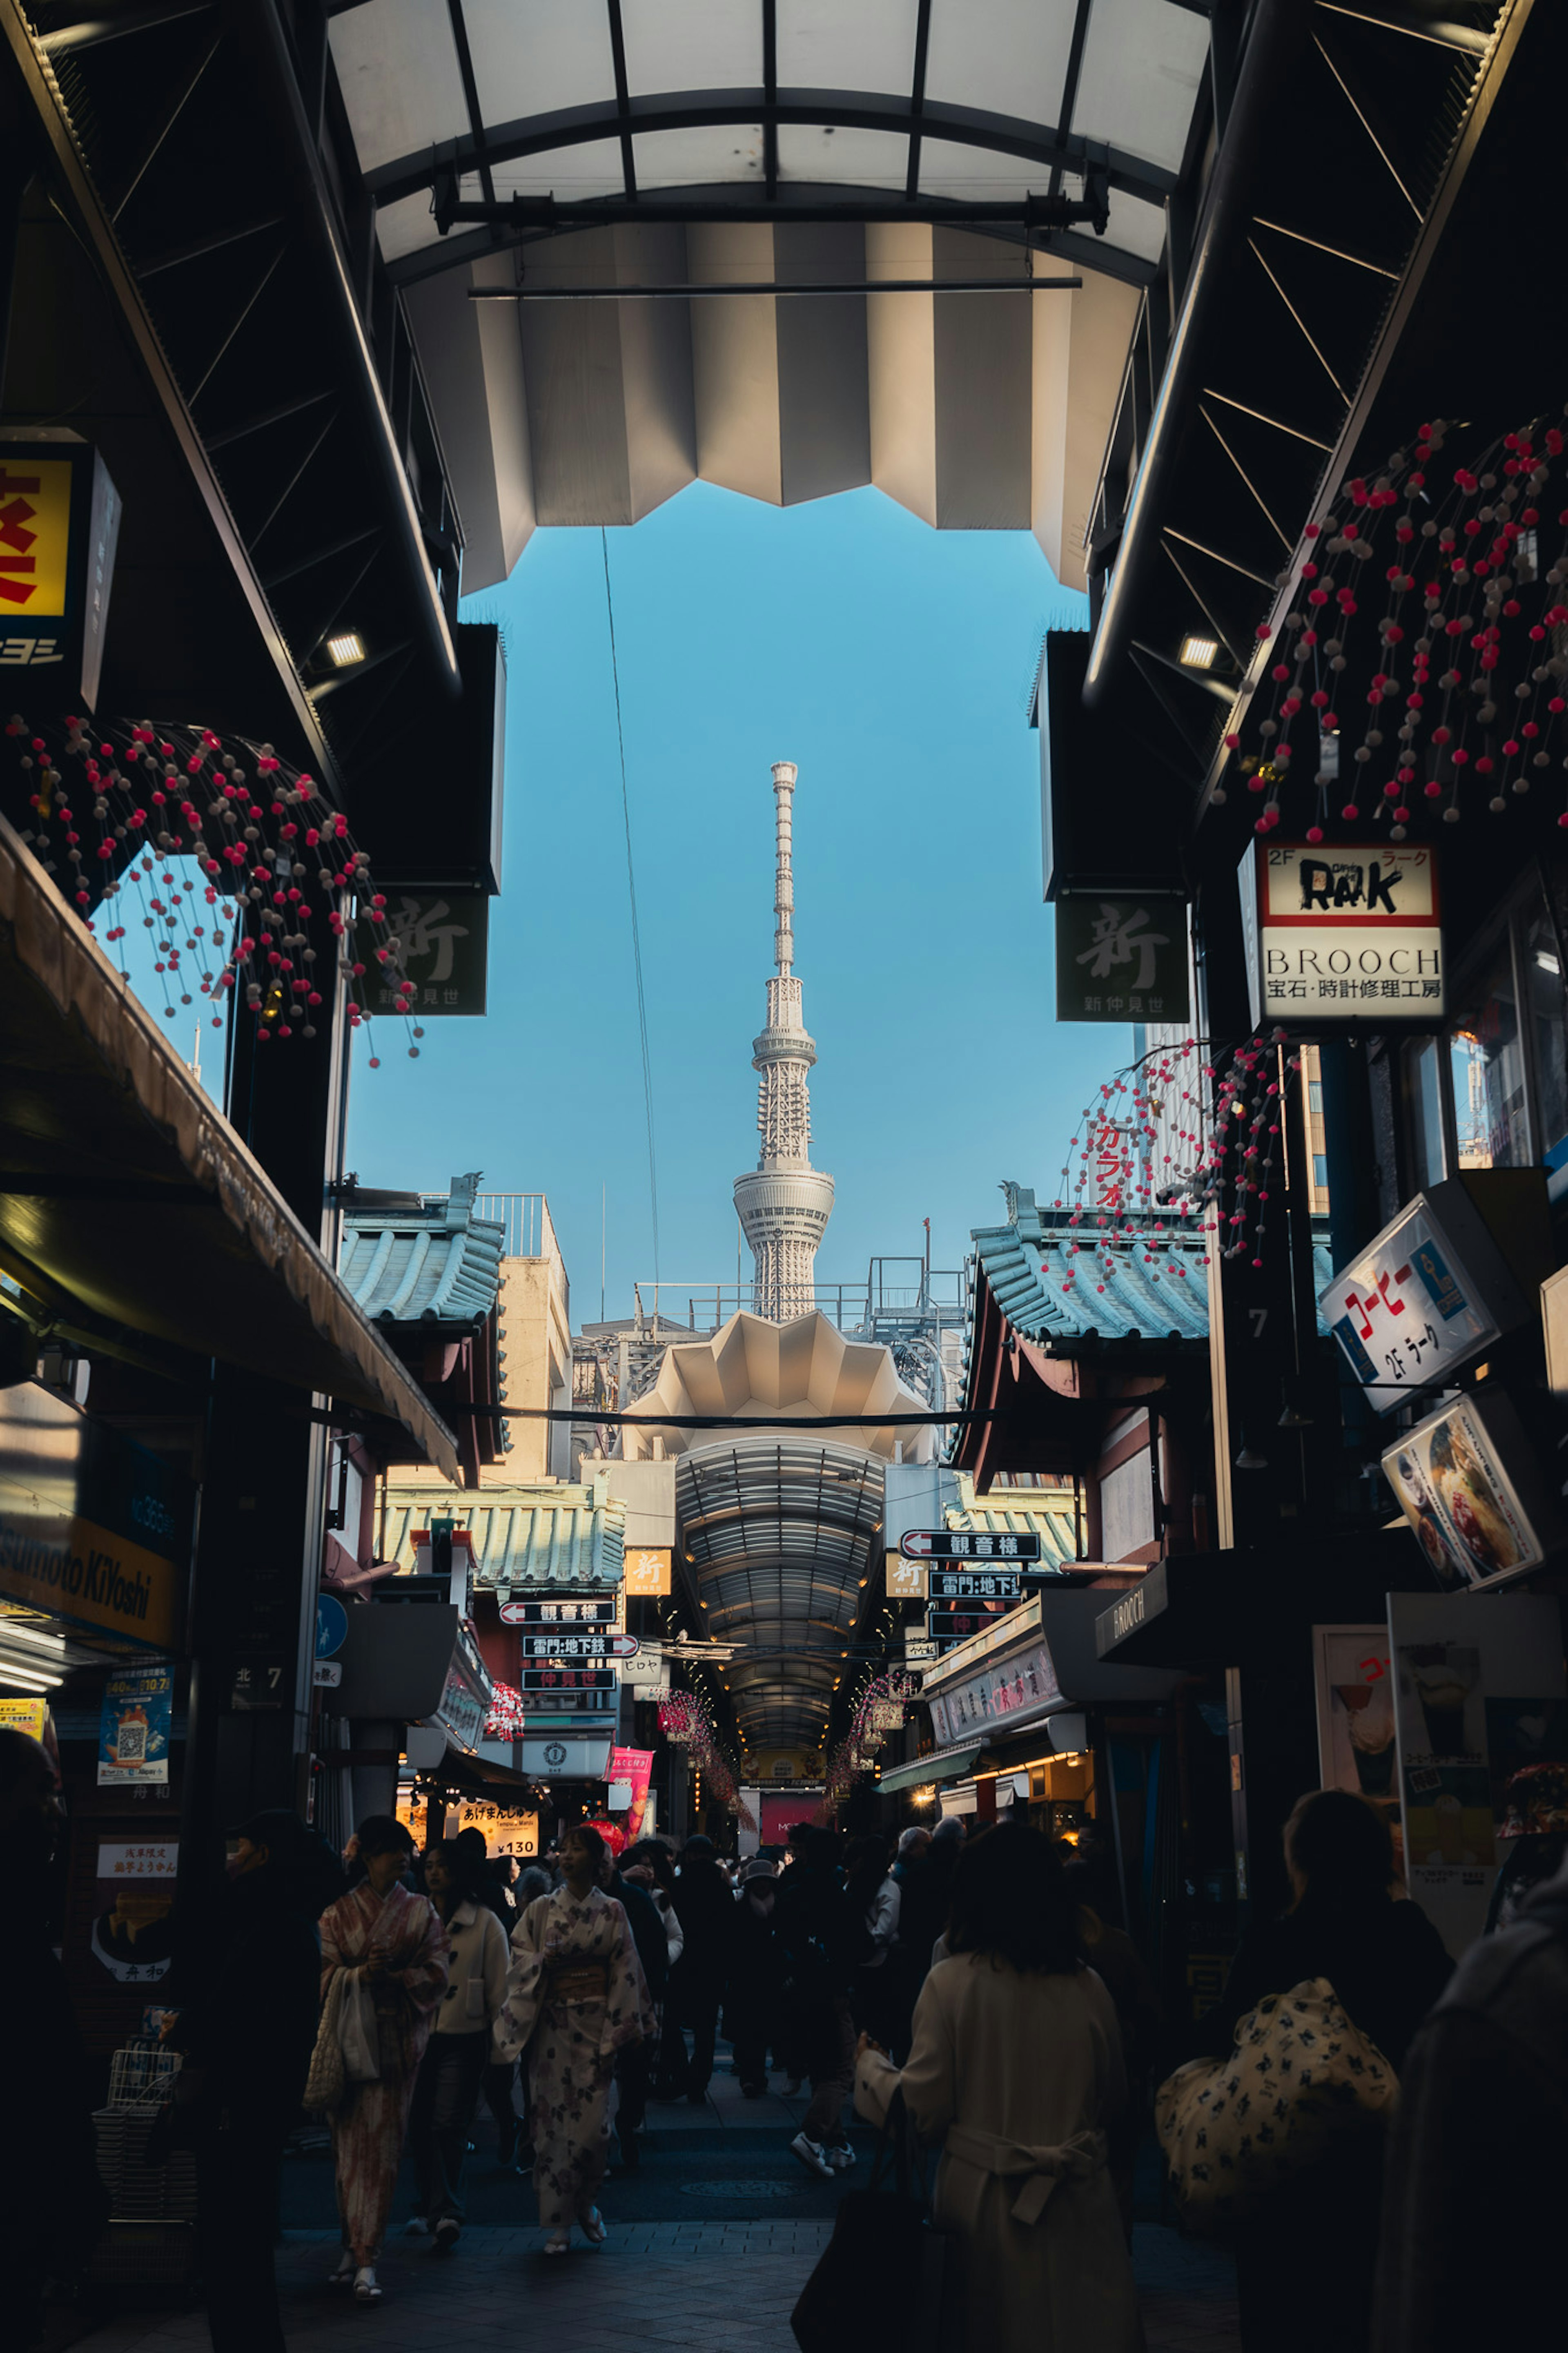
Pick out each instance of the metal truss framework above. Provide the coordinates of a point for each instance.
(285, 361)
(1248, 405)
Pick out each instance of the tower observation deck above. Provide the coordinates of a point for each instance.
(783, 1204)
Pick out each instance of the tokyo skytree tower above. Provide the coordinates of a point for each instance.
(783, 1204)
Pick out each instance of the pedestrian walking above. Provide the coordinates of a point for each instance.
(575, 1996)
(752, 1997)
(1479, 2158)
(634, 2062)
(906, 1974)
(927, 1895)
(815, 1931)
(1016, 2069)
(1387, 1966)
(484, 1887)
(246, 2028)
(503, 1870)
(875, 1896)
(391, 1942)
(706, 1909)
(650, 1865)
(452, 2072)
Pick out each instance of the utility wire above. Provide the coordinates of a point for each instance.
(632, 894)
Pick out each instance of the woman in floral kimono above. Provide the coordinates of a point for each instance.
(393, 1943)
(577, 1995)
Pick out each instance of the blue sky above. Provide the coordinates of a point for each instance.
(891, 662)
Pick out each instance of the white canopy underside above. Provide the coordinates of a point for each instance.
(975, 411)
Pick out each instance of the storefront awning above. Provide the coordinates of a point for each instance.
(127, 1199)
(945, 1765)
(1201, 1610)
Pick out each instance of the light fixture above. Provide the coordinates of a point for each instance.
(1249, 1458)
(1198, 653)
(346, 648)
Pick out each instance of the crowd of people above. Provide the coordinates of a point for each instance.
(974, 1992)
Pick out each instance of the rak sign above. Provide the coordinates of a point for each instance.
(1337, 934)
(59, 525)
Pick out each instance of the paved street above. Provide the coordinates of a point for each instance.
(709, 2242)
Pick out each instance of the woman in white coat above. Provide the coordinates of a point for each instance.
(447, 2091)
(1016, 2069)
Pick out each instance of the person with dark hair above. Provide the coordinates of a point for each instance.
(1016, 2069)
(575, 1996)
(381, 1939)
(926, 1895)
(816, 1932)
(482, 1885)
(705, 1905)
(447, 2091)
(53, 2204)
(751, 2000)
(1386, 1963)
(873, 1896)
(634, 2063)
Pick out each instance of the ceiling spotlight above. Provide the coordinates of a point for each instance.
(1198, 653)
(348, 647)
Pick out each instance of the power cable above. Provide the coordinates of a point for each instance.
(632, 894)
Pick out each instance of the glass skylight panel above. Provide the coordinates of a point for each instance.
(843, 157)
(973, 173)
(1008, 57)
(703, 157)
(536, 57)
(571, 174)
(397, 66)
(692, 45)
(1143, 63)
(407, 225)
(1136, 227)
(828, 45)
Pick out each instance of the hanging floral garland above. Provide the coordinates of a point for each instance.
(1427, 643)
(286, 900)
(684, 1720)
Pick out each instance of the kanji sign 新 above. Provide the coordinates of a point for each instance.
(1121, 957)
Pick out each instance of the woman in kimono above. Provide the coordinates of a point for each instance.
(575, 1996)
(1016, 2069)
(393, 1943)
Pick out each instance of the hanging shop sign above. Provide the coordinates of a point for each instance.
(576, 1679)
(598, 1643)
(133, 1727)
(1122, 959)
(536, 1611)
(649, 1672)
(60, 527)
(1337, 934)
(93, 1529)
(1470, 1485)
(1428, 1296)
(647, 1569)
(443, 940)
(567, 1756)
(906, 1578)
(1478, 1702)
(974, 1584)
(995, 1694)
(132, 1908)
(505, 1829)
(466, 1700)
(967, 1544)
(630, 1769)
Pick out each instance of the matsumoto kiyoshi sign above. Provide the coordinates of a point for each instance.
(93, 1530)
(1343, 932)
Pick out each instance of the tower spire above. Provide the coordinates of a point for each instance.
(783, 1204)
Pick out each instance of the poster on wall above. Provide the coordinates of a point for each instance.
(1478, 1702)
(632, 1769)
(1356, 1747)
(1469, 1485)
(132, 1907)
(133, 1727)
(505, 1829)
(26, 1716)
